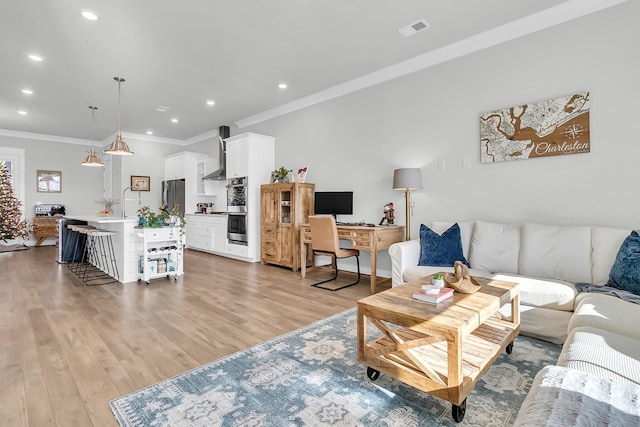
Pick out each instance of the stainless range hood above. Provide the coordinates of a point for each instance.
(221, 173)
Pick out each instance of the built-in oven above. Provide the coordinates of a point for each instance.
(237, 228)
(237, 195)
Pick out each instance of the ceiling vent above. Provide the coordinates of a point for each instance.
(414, 28)
(162, 109)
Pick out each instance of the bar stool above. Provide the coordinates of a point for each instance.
(102, 267)
(78, 242)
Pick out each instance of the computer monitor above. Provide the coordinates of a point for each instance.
(334, 202)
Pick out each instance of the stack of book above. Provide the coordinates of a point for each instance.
(433, 294)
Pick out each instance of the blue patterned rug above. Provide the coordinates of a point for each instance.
(311, 377)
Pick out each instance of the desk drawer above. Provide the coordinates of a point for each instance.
(361, 239)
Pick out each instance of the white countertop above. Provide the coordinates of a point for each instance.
(206, 214)
(103, 218)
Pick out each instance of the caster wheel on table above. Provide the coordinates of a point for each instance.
(509, 348)
(175, 278)
(372, 374)
(139, 280)
(457, 412)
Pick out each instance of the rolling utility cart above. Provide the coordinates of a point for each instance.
(160, 253)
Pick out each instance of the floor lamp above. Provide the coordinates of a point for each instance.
(407, 179)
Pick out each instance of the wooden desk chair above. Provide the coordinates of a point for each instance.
(324, 241)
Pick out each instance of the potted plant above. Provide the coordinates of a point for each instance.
(281, 175)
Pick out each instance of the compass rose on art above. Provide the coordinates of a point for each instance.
(573, 131)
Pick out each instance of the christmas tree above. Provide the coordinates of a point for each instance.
(11, 224)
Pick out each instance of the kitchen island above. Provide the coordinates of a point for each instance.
(124, 241)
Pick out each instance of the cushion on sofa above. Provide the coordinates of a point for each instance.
(495, 247)
(466, 231)
(606, 243)
(607, 313)
(547, 293)
(558, 252)
(567, 397)
(625, 272)
(602, 353)
(440, 250)
(541, 323)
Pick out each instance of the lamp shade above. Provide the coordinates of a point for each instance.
(407, 179)
(92, 160)
(118, 147)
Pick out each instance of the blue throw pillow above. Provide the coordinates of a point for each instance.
(441, 250)
(625, 272)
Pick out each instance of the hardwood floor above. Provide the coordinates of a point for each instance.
(68, 349)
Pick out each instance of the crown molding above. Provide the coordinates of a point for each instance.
(43, 137)
(538, 21)
(78, 141)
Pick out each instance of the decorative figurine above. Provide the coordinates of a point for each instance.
(389, 216)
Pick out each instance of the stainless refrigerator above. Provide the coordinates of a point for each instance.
(173, 194)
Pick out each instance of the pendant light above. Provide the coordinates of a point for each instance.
(119, 147)
(92, 159)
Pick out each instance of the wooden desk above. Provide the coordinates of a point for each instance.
(372, 239)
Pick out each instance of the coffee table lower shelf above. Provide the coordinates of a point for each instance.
(426, 367)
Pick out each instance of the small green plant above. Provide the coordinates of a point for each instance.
(281, 173)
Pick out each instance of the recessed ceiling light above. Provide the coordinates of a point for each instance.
(282, 86)
(22, 112)
(36, 58)
(174, 120)
(89, 14)
(27, 91)
(149, 132)
(211, 102)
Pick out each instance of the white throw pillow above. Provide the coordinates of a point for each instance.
(556, 252)
(606, 243)
(495, 247)
(466, 230)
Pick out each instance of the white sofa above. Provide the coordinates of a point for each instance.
(546, 260)
(596, 380)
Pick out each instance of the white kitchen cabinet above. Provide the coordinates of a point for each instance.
(175, 167)
(237, 157)
(208, 187)
(220, 235)
(251, 155)
(207, 233)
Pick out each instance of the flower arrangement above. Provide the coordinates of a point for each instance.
(149, 218)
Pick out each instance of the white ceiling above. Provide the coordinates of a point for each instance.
(180, 54)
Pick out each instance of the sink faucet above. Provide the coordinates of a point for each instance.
(122, 199)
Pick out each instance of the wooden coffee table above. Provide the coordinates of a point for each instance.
(442, 349)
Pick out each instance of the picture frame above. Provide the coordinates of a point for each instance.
(143, 183)
(49, 181)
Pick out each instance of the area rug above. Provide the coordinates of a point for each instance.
(12, 248)
(311, 377)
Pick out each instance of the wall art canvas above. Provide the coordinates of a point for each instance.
(553, 127)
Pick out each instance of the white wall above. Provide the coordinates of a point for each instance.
(356, 141)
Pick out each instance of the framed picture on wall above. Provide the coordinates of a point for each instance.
(142, 182)
(49, 181)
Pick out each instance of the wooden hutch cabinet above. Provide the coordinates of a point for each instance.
(283, 208)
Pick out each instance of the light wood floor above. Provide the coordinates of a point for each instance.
(68, 349)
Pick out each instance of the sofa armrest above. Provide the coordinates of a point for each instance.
(403, 255)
